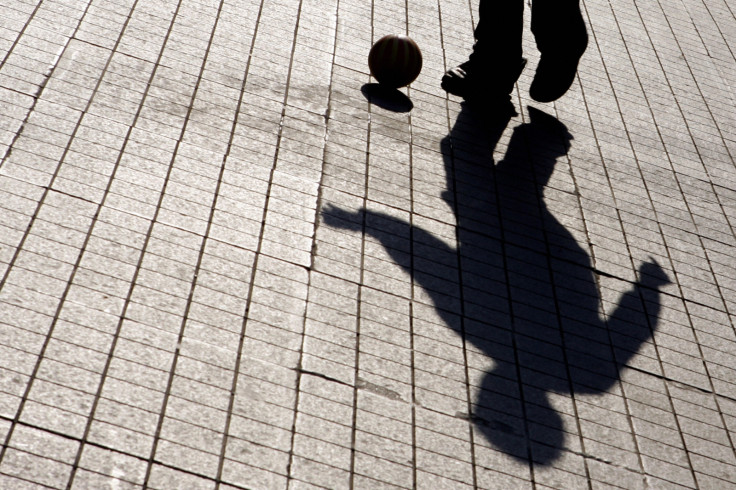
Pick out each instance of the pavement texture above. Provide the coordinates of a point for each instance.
(228, 261)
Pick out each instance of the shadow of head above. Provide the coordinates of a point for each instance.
(529, 160)
(535, 146)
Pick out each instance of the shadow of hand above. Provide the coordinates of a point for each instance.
(338, 217)
(652, 275)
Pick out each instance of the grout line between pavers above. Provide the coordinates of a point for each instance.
(359, 299)
(682, 114)
(300, 371)
(458, 255)
(678, 224)
(28, 229)
(82, 441)
(21, 32)
(41, 87)
(559, 316)
(153, 74)
(666, 388)
(198, 266)
(412, 299)
(98, 395)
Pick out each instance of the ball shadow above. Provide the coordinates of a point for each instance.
(387, 98)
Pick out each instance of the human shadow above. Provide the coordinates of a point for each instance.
(518, 287)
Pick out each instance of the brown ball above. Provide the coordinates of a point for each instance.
(395, 60)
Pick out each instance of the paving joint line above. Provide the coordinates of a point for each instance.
(687, 204)
(27, 232)
(241, 336)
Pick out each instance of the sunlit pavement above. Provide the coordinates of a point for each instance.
(228, 261)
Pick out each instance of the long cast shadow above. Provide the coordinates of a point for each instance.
(518, 287)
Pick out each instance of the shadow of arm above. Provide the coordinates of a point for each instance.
(636, 317)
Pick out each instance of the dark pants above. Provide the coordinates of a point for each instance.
(557, 25)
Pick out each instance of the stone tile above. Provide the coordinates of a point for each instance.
(36, 469)
(266, 151)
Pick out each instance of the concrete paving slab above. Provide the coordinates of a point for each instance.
(227, 261)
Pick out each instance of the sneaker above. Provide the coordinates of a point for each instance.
(458, 80)
(476, 85)
(558, 64)
(554, 76)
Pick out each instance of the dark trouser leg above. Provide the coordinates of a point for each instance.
(558, 26)
(496, 62)
(498, 34)
(561, 37)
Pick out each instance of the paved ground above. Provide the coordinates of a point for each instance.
(221, 266)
